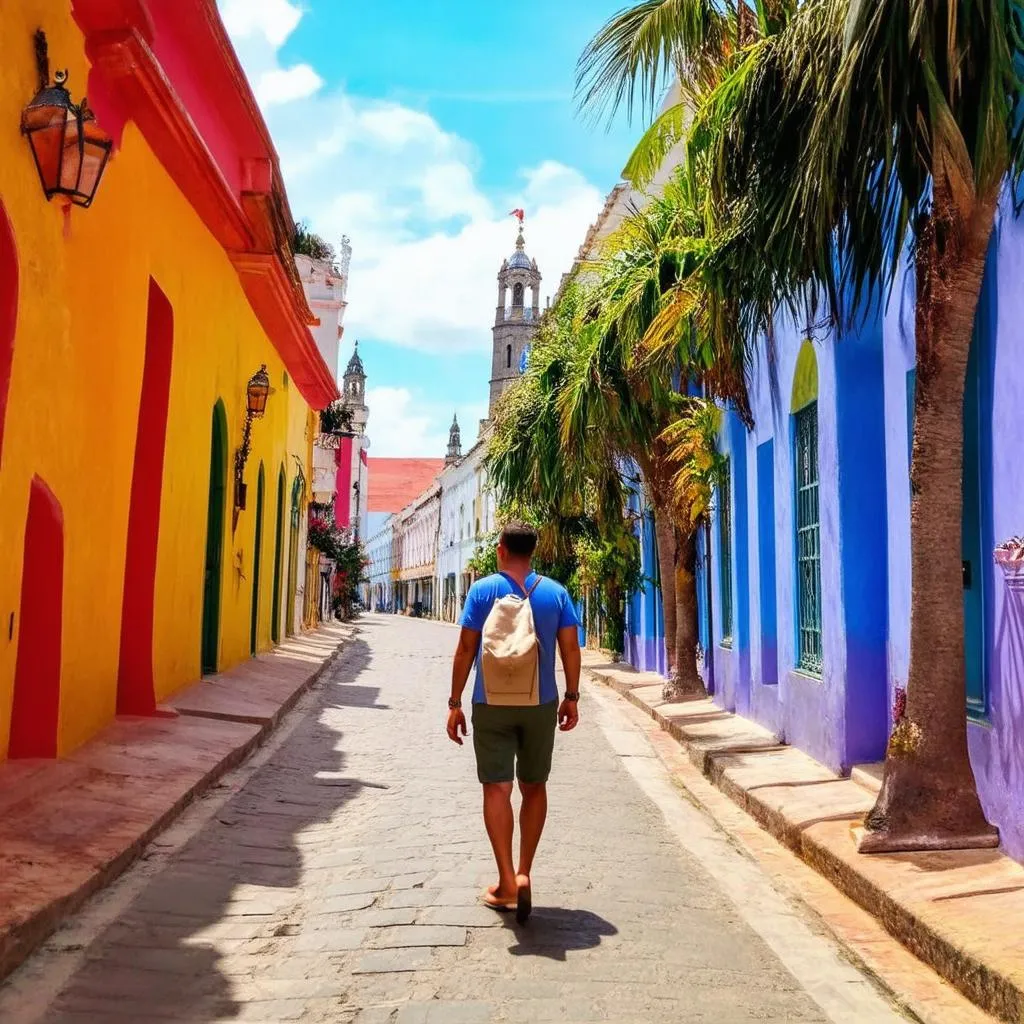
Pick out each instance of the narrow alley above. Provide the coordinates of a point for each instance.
(338, 881)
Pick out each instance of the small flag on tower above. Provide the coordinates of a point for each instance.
(519, 215)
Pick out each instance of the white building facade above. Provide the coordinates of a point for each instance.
(325, 286)
(468, 515)
(379, 591)
(415, 550)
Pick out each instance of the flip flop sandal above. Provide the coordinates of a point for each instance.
(501, 906)
(524, 904)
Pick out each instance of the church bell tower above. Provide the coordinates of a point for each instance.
(515, 321)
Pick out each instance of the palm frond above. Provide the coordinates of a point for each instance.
(639, 51)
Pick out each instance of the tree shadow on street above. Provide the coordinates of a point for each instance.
(552, 932)
(227, 907)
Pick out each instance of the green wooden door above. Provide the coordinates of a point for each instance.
(254, 627)
(293, 558)
(214, 540)
(275, 623)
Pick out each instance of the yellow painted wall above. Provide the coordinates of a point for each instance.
(74, 400)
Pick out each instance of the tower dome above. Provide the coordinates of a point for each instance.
(519, 260)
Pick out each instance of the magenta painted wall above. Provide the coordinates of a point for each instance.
(343, 495)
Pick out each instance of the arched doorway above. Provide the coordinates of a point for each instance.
(8, 312)
(275, 622)
(135, 684)
(214, 539)
(36, 706)
(293, 557)
(257, 550)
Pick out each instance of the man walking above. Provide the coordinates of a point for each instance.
(511, 624)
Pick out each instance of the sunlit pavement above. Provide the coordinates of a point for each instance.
(340, 883)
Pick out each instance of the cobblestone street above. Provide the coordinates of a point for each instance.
(340, 883)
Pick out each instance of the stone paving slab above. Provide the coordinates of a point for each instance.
(262, 689)
(926, 996)
(946, 908)
(628, 926)
(68, 827)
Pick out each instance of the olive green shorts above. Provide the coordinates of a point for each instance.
(514, 743)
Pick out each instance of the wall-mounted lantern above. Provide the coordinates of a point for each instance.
(257, 392)
(69, 148)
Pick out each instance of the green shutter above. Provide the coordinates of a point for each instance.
(808, 540)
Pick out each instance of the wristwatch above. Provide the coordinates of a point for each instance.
(572, 695)
(454, 704)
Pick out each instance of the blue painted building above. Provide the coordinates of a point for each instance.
(808, 626)
(645, 624)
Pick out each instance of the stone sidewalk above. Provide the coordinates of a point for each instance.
(953, 909)
(69, 826)
(340, 884)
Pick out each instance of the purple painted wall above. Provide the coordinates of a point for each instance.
(997, 741)
(839, 716)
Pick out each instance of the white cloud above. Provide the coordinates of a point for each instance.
(401, 425)
(283, 86)
(438, 292)
(272, 20)
(427, 239)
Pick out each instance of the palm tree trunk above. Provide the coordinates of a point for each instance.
(687, 682)
(615, 615)
(929, 800)
(665, 536)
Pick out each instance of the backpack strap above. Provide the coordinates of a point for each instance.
(536, 584)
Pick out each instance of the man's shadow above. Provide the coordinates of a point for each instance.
(552, 932)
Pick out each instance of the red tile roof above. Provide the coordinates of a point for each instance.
(395, 482)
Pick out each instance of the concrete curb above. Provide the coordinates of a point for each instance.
(995, 982)
(20, 940)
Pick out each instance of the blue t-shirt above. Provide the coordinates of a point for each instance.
(552, 609)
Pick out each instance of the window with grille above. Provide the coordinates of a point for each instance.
(808, 540)
(725, 551)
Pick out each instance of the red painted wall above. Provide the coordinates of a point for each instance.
(135, 690)
(34, 714)
(195, 67)
(8, 312)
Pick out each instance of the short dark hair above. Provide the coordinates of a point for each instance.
(519, 538)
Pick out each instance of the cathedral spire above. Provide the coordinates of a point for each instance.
(353, 388)
(454, 443)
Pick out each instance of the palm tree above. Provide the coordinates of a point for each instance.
(609, 394)
(656, 325)
(575, 495)
(921, 130)
(856, 132)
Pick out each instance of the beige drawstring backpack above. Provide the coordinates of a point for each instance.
(510, 652)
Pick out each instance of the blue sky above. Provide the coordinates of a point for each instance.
(413, 127)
